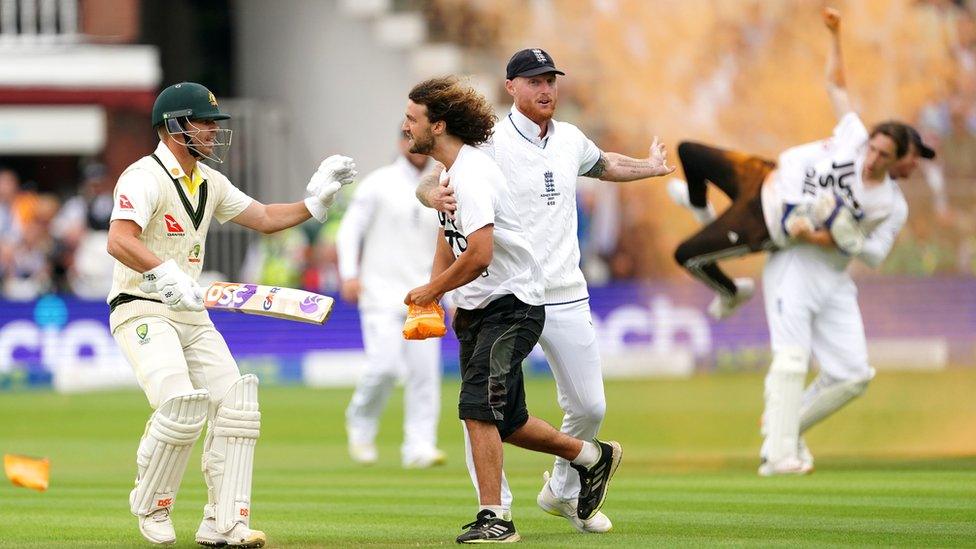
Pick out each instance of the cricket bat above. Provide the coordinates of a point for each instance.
(255, 299)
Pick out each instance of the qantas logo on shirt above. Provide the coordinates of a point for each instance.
(173, 228)
(124, 203)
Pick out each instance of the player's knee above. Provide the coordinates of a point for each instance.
(591, 412)
(684, 253)
(687, 150)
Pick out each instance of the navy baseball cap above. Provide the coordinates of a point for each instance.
(530, 62)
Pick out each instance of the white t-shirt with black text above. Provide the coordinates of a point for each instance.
(483, 198)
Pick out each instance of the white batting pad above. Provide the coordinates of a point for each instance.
(827, 395)
(228, 456)
(784, 390)
(165, 449)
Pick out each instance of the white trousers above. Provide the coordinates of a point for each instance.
(569, 342)
(812, 305)
(390, 358)
(170, 358)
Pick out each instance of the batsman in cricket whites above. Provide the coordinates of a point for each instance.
(163, 206)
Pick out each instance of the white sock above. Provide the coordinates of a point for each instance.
(498, 510)
(588, 456)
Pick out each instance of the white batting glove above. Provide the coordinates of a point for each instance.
(334, 172)
(176, 289)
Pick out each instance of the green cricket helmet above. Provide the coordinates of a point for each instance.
(176, 108)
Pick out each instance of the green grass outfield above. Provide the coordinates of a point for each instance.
(892, 470)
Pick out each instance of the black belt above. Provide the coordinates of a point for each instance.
(122, 299)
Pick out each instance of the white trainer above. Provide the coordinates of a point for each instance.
(786, 466)
(157, 527)
(238, 536)
(365, 454)
(678, 191)
(555, 506)
(723, 307)
(425, 461)
(804, 454)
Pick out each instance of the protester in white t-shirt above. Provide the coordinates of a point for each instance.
(485, 257)
(542, 160)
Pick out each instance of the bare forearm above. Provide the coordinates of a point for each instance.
(835, 64)
(619, 167)
(457, 274)
(427, 183)
(132, 253)
(443, 257)
(278, 217)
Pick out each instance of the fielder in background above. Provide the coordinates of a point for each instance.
(163, 206)
(542, 159)
(485, 255)
(385, 243)
(821, 205)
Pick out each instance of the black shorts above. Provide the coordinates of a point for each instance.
(494, 342)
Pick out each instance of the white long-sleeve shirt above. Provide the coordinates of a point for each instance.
(387, 238)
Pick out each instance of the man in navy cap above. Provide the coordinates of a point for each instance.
(541, 159)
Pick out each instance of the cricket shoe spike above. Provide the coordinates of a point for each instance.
(488, 528)
(785, 467)
(723, 307)
(157, 527)
(238, 536)
(678, 191)
(595, 480)
(557, 507)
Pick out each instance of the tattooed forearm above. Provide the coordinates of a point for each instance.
(598, 169)
(618, 167)
(424, 187)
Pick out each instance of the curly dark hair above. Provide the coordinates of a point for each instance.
(898, 132)
(468, 114)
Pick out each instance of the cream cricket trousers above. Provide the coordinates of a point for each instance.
(389, 359)
(170, 358)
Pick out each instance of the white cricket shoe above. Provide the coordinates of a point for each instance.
(157, 527)
(365, 454)
(238, 536)
(678, 191)
(723, 307)
(785, 466)
(425, 461)
(550, 503)
(804, 454)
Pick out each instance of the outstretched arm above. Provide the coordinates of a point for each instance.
(617, 167)
(836, 80)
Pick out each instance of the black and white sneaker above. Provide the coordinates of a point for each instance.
(488, 528)
(595, 480)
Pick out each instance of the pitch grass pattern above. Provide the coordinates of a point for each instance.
(688, 478)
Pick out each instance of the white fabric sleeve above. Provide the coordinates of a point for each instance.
(136, 197)
(589, 153)
(353, 227)
(476, 201)
(850, 132)
(878, 244)
(232, 202)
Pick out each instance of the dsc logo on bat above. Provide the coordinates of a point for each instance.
(228, 295)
